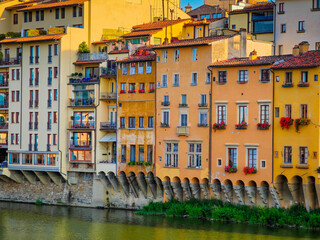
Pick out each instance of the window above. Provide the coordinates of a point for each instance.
(243, 111)
(183, 99)
(301, 26)
(13, 96)
(183, 120)
(232, 157)
(55, 117)
(304, 77)
(132, 88)
(12, 138)
(56, 49)
(63, 13)
(264, 114)
(17, 117)
(315, 77)
(37, 54)
(165, 118)
(287, 155)
(265, 75)
(164, 56)
(14, 158)
(42, 15)
(208, 77)
(171, 154)
(148, 67)
(280, 49)
(149, 153)
(194, 79)
(31, 54)
(140, 68)
(203, 100)
(74, 12)
(54, 139)
(243, 76)
(221, 110)
(150, 122)
(219, 162)
(132, 68)
(80, 11)
(55, 72)
(141, 153)
(142, 87)
(122, 122)
(287, 108)
(17, 138)
(55, 95)
(15, 18)
(252, 157)
(195, 54)
(123, 88)
(25, 17)
(281, 8)
(123, 153)
(18, 74)
(283, 28)
(303, 155)
(164, 80)
(30, 16)
(194, 155)
(151, 86)
(222, 78)
(141, 122)
(276, 112)
(176, 55)
(17, 96)
(12, 117)
(304, 111)
(316, 4)
(203, 117)
(50, 53)
(132, 153)
(57, 13)
(132, 122)
(233, 26)
(288, 78)
(317, 47)
(176, 77)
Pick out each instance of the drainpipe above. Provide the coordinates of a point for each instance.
(210, 125)
(95, 119)
(155, 116)
(59, 111)
(273, 117)
(21, 74)
(274, 26)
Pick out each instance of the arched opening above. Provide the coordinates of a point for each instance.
(186, 188)
(296, 189)
(239, 190)
(311, 192)
(204, 185)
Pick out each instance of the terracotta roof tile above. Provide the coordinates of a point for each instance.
(140, 33)
(263, 60)
(205, 9)
(138, 58)
(202, 22)
(23, 5)
(306, 60)
(157, 25)
(265, 6)
(53, 4)
(40, 38)
(88, 62)
(193, 42)
(119, 51)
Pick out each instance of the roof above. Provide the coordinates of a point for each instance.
(119, 51)
(39, 38)
(53, 4)
(202, 22)
(205, 9)
(140, 33)
(193, 42)
(263, 60)
(157, 25)
(305, 60)
(263, 6)
(23, 5)
(88, 62)
(138, 58)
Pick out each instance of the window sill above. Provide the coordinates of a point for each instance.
(286, 85)
(315, 9)
(165, 126)
(207, 82)
(242, 82)
(171, 167)
(131, 128)
(282, 12)
(194, 168)
(183, 105)
(203, 125)
(301, 31)
(222, 83)
(302, 166)
(193, 84)
(264, 81)
(303, 85)
(175, 85)
(286, 166)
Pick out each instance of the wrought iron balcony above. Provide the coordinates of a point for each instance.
(81, 102)
(108, 126)
(10, 62)
(82, 125)
(92, 57)
(108, 96)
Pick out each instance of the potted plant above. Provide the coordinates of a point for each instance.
(164, 124)
(151, 90)
(242, 125)
(72, 118)
(140, 163)
(122, 91)
(141, 90)
(263, 126)
(219, 126)
(131, 163)
(230, 169)
(300, 122)
(90, 118)
(286, 122)
(249, 170)
(303, 84)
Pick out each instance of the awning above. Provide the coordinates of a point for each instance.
(110, 137)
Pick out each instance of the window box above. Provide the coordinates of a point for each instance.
(242, 126)
(265, 80)
(229, 169)
(249, 170)
(131, 91)
(287, 85)
(301, 31)
(241, 82)
(263, 126)
(164, 125)
(122, 91)
(203, 105)
(141, 91)
(286, 122)
(140, 163)
(219, 126)
(302, 166)
(286, 166)
(303, 84)
(183, 105)
(202, 124)
(151, 90)
(165, 104)
(300, 122)
(131, 163)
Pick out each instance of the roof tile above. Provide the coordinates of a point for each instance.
(39, 38)
(305, 60)
(267, 6)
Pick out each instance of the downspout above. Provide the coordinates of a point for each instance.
(59, 111)
(155, 115)
(210, 125)
(273, 117)
(117, 111)
(274, 27)
(21, 74)
(95, 119)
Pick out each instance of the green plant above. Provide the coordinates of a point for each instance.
(13, 34)
(1, 55)
(300, 122)
(83, 48)
(38, 202)
(72, 117)
(131, 163)
(90, 117)
(2, 36)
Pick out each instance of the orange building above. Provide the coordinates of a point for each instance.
(242, 138)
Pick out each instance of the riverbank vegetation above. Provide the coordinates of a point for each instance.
(295, 216)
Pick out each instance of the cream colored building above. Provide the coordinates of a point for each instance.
(297, 21)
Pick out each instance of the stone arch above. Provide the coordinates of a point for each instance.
(251, 190)
(263, 190)
(227, 188)
(167, 188)
(204, 185)
(151, 182)
(216, 188)
(296, 189)
(160, 189)
(281, 187)
(142, 183)
(135, 189)
(124, 183)
(264, 184)
(312, 193)
(195, 188)
(113, 180)
(177, 188)
(239, 190)
(186, 188)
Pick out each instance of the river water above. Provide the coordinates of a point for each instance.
(26, 221)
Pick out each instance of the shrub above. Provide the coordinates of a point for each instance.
(83, 48)
(13, 34)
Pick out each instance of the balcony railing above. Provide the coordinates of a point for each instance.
(35, 147)
(48, 147)
(49, 103)
(4, 77)
(83, 80)
(108, 126)
(108, 96)
(165, 104)
(3, 125)
(5, 105)
(49, 125)
(36, 125)
(182, 131)
(74, 146)
(36, 59)
(82, 102)
(92, 57)
(82, 125)
(3, 142)
(10, 61)
(108, 72)
(30, 147)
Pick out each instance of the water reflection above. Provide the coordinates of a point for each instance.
(25, 221)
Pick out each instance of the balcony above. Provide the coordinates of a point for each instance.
(82, 147)
(106, 167)
(108, 96)
(49, 103)
(4, 77)
(92, 57)
(165, 104)
(7, 62)
(108, 72)
(35, 147)
(4, 142)
(36, 125)
(48, 147)
(182, 131)
(3, 126)
(82, 125)
(49, 125)
(108, 126)
(183, 105)
(83, 80)
(81, 102)
(202, 105)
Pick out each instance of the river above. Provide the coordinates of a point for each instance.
(27, 221)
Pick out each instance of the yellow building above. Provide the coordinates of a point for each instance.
(136, 112)
(257, 19)
(296, 128)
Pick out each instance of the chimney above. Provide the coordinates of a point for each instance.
(243, 42)
(188, 8)
(253, 55)
(303, 47)
(295, 50)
